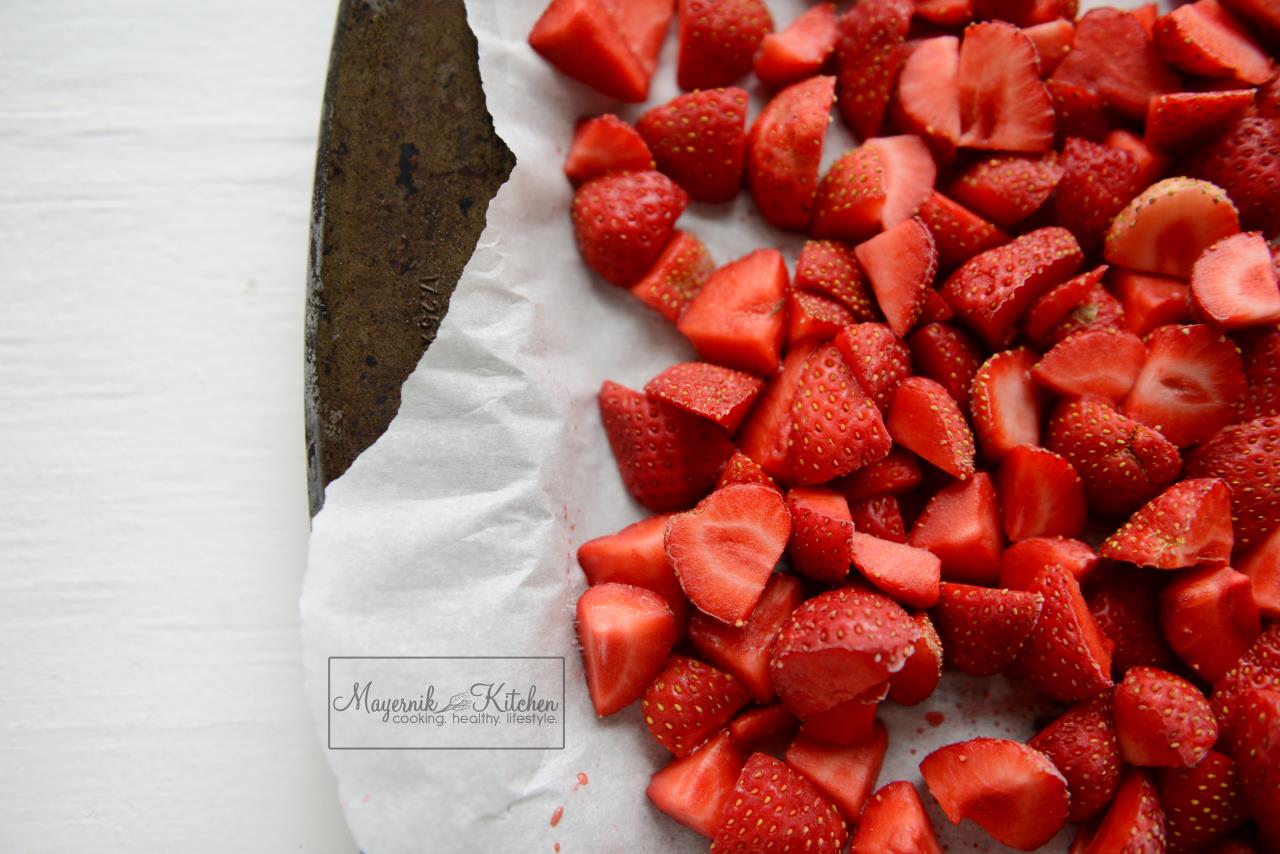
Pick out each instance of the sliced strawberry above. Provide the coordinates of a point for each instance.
(1066, 658)
(784, 151)
(1052, 40)
(910, 575)
(895, 474)
(1258, 668)
(644, 25)
(767, 432)
(1202, 804)
(761, 725)
(1123, 463)
(814, 319)
(1151, 164)
(1166, 227)
(847, 724)
(1258, 756)
(1187, 524)
(1055, 307)
(1102, 362)
(1204, 39)
(868, 54)
(1150, 301)
(880, 517)
(991, 291)
(1007, 189)
(1124, 604)
(894, 822)
(1162, 720)
(829, 268)
(624, 220)
(800, 50)
(983, 629)
(699, 139)
(1114, 56)
(635, 555)
(1135, 822)
(709, 391)
(1003, 104)
(1006, 403)
(820, 530)
(667, 458)
(725, 549)
(1209, 619)
(835, 427)
(958, 233)
(602, 145)
(743, 469)
(1247, 457)
(879, 360)
(1022, 560)
(1008, 789)
(694, 789)
(1080, 112)
(900, 263)
(718, 40)
(626, 634)
(838, 646)
(744, 650)
(1082, 744)
(1261, 353)
(926, 420)
(1234, 283)
(1262, 564)
(676, 277)
(688, 702)
(1040, 495)
(928, 102)
(772, 808)
(961, 525)
(844, 775)
(1099, 311)
(880, 184)
(1181, 119)
(1264, 14)
(582, 39)
(737, 318)
(1243, 163)
(920, 676)
(947, 356)
(1097, 182)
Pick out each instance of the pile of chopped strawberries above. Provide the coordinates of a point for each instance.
(1014, 409)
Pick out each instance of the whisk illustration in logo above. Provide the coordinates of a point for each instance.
(439, 703)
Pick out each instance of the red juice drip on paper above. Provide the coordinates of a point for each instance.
(557, 815)
(935, 718)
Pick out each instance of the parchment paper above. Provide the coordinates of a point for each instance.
(454, 534)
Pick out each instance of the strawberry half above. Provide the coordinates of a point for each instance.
(829, 268)
(1183, 119)
(699, 139)
(688, 702)
(718, 40)
(784, 151)
(1243, 163)
(1187, 524)
(1209, 618)
(1257, 756)
(676, 277)
(835, 428)
(709, 391)
(880, 184)
(1101, 362)
(582, 39)
(1005, 403)
(1080, 111)
(928, 101)
(1202, 38)
(1151, 163)
(844, 775)
(901, 264)
(1150, 301)
(766, 434)
(763, 725)
(961, 525)
(635, 555)
(924, 419)
(983, 629)
(602, 145)
(820, 531)
(1202, 804)
(737, 318)
(1003, 104)
(623, 221)
(1162, 720)
(1168, 225)
(800, 50)
(813, 318)
(921, 675)
(1066, 658)
(880, 517)
(1041, 495)
(1052, 40)
(1007, 189)
(947, 356)
(1024, 559)
(898, 473)
(868, 54)
(1097, 182)
(878, 359)
(1125, 605)
(847, 724)
(894, 822)
(1082, 744)
(1135, 822)
(1262, 565)
(1259, 668)
(910, 575)
(1233, 283)
(1247, 457)
(694, 789)
(773, 808)
(626, 634)
(1114, 56)
(958, 232)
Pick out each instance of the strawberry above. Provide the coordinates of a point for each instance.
(1080, 111)
(880, 184)
(1261, 13)
(1243, 163)
(744, 650)
(1162, 720)
(1049, 312)
(1052, 40)
(1150, 301)
(1007, 189)
(928, 102)
(1113, 55)
(1189, 386)
(1262, 564)
(1202, 804)
(1124, 605)
(1040, 495)
(838, 646)
(920, 676)
(725, 549)
(626, 634)
(688, 702)
(1022, 560)
(1257, 756)
(900, 263)
(880, 517)
(1066, 658)
(1235, 845)
(847, 724)
(1098, 311)
(829, 268)
(1209, 619)
(1005, 403)
(1167, 226)
(844, 775)
(947, 356)
(743, 469)
(766, 433)
(1123, 463)
(835, 428)
(1187, 524)
(958, 233)
(868, 54)
(775, 809)
(1102, 362)
(813, 318)
(583, 40)
(694, 789)
(761, 725)
(894, 822)
(737, 318)
(1097, 182)
(961, 525)
(667, 458)
(709, 391)
(784, 151)
(910, 575)
(699, 139)
(1152, 165)
(624, 220)
(1258, 668)
(991, 290)
(1234, 283)
(602, 145)
(983, 628)
(718, 40)
(800, 50)
(1262, 372)
(925, 419)
(879, 360)
(635, 555)
(1204, 39)
(1003, 104)
(820, 530)
(1082, 744)
(895, 474)
(644, 25)
(1135, 822)
(1247, 457)
(676, 277)
(1008, 789)
(1182, 119)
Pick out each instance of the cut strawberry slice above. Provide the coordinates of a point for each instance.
(1209, 619)
(1006, 403)
(1113, 55)
(849, 724)
(924, 419)
(1202, 804)
(1099, 311)
(744, 650)
(644, 25)
(921, 675)
(582, 39)
(1080, 112)
(709, 391)
(1066, 658)
(947, 356)
(1007, 189)
(800, 50)
(879, 359)
(1003, 104)
(737, 318)
(626, 634)
(1242, 161)
(1040, 495)
(1053, 42)
(623, 221)
(1258, 668)
(1204, 39)
(605, 144)
(1097, 182)
(814, 319)
(1234, 283)
(835, 427)
(763, 725)
(1162, 720)
(1182, 119)
(1247, 457)
(771, 806)
(676, 277)
(1258, 755)
(896, 474)
(894, 822)
(958, 233)
(910, 575)
(1008, 789)
(820, 530)
(718, 40)
(1125, 605)
(694, 789)
(1135, 821)
(1165, 228)
(1082, 744)
(1022, 560)
(844, 775)
(766, 434)
(1262, 565)
(961, 525)
(1055, 307)
(868, 54)
(635, 555)
(1151, 164)
(784, 151)
(928, 95)
(901, 264)
(1102, 362)
(983, 629)
(880, 184)
(880, 517)
(829, 268)
(688, 702)
(1150, 301)
(699, 139)
(725, 549)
